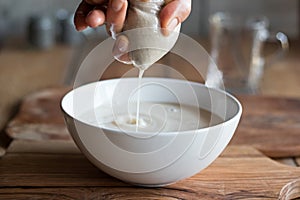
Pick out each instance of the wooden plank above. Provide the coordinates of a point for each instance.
(240, 172)
(97, 193)
(236, 151)
(40, 117)
(270, 124)
(47, 146)
(49, 170)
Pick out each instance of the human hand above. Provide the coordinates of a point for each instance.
(174, 13)
(95, 13)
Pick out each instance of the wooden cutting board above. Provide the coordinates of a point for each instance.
(269, 124)
(57, 170)
(40, 117)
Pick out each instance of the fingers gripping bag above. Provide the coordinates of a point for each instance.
(148, 42)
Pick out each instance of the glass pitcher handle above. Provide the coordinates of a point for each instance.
(258, 63)
(281, 51)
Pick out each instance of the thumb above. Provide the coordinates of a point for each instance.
(174, 13)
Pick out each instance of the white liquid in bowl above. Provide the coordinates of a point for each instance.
(153, 117)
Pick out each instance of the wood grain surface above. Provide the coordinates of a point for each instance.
(42, 162)
(24, 70)
(270, 124)
(241, 172)
(39, 117)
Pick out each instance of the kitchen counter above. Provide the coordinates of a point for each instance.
(50, 165)
(42, 161)
(23, 71)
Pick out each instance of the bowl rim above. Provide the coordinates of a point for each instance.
(133, 133)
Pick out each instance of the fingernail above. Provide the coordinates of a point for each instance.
(117, 5)
(172, 24)
(93, 21)
(122, 45)
(90, 13)
(80, 28)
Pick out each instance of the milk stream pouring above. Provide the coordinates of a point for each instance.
(147, 43)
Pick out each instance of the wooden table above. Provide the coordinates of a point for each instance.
(42, 162)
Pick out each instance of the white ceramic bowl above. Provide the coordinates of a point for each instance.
(151, 160)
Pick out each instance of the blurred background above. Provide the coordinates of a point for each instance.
(283, 15)
(40, 48)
